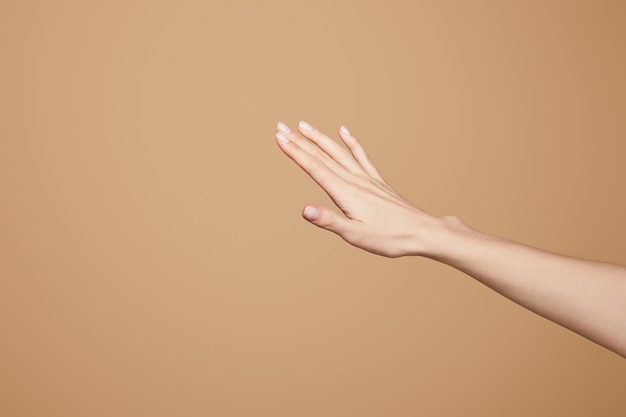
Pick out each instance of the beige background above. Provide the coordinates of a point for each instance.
(153, 261)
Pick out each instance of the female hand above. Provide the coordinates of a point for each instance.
(375, 217)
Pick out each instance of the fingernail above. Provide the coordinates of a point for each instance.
(305, 126)
(283, 127)
(344, 130)
(311, 213)
(282, 137)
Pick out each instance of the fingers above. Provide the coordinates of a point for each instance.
(356, 160)
(359, 154)
(355, 163)
(337, 152)
(314, 151)
(329, 180)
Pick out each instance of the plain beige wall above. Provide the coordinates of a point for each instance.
(153, 260)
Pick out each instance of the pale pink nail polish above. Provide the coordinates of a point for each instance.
(344, 130)
(305, 126)
(283, 127)
(281, 137)
(311, 213)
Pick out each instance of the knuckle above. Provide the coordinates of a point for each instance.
(315, 165)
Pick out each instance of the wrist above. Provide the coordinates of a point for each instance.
(442, 238)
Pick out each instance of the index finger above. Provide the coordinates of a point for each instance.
(313, 166)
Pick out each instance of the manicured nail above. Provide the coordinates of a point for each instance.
(305, 126)
(344, 130)
(282, 137)
(311, 213)
(283, 127)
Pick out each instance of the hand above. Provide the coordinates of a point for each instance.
(586, 297)
(375, 217)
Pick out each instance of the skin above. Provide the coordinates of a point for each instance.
(586, 297)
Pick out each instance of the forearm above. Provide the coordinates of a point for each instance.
(584, 296)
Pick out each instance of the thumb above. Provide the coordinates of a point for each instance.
(326, 219)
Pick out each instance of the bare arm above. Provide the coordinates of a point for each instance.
(584, 296)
